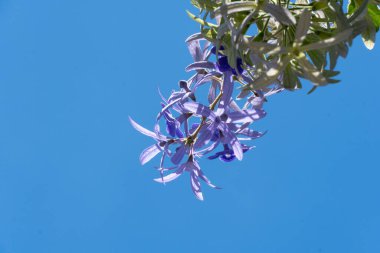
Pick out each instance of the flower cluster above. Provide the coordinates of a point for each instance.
(293, 40)
(195, 130)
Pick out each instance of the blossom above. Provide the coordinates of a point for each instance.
(227, 155)
(222, 122)
(191, 166)
(153, 150)
(225, 122)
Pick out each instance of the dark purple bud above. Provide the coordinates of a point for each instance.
(239, 66)
(213, 50)
(184, 85)
(227, 155)
(223, 65)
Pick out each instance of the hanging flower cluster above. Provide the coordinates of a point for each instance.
(258, 48)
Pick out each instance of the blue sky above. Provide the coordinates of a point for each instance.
(70, 74)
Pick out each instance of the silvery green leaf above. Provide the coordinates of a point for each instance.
(303, 26)
(338, 38)
(342, 49)
(369, 35)
(310, 71)
(302, 2)
(223, 28)
(279, 50)
(271, 75)
(338, 15)
(290, 79)
(359, 27)
(312, 90)
(318, 58)
(263, 47)
(284, 16)
(330, 73)
(235, 7)
(332, 81)
(245, 24)
(231, 57)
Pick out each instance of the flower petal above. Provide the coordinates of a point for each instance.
(200, 65)
(204, 136)
(203, 177)
(149, 153)
(228, 88)
(199, 109)
(236, 147)
(207, 150)
(251, 133)
(142, 129)
(170, 177)
(196, 186)
(179, 154)
(246, 116)
(195, 50)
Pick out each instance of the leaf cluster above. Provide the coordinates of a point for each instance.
(283, 41)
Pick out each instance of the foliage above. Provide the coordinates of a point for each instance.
(292, 40)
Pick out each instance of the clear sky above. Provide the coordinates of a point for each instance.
(70, 182)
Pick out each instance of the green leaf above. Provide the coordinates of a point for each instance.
(330, 73)
(318, 58)
(209, 34)
(290, 79)
(362, 4)
(312, 90)
(338, 38)
(374, 14)
(283, 15)
(369, 35)
(310, 71)
(271, 75)
(303, 26)
(235, 7)
(351, 7)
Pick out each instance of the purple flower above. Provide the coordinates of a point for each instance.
(196, 173)
(153, 150)
(223, 65)
(227, 155)
(226, 122)
(195, 130)
(173, 126)
(257, 99)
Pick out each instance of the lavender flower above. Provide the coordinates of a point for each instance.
(222, 122)
(196, 173)
(297, 40)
